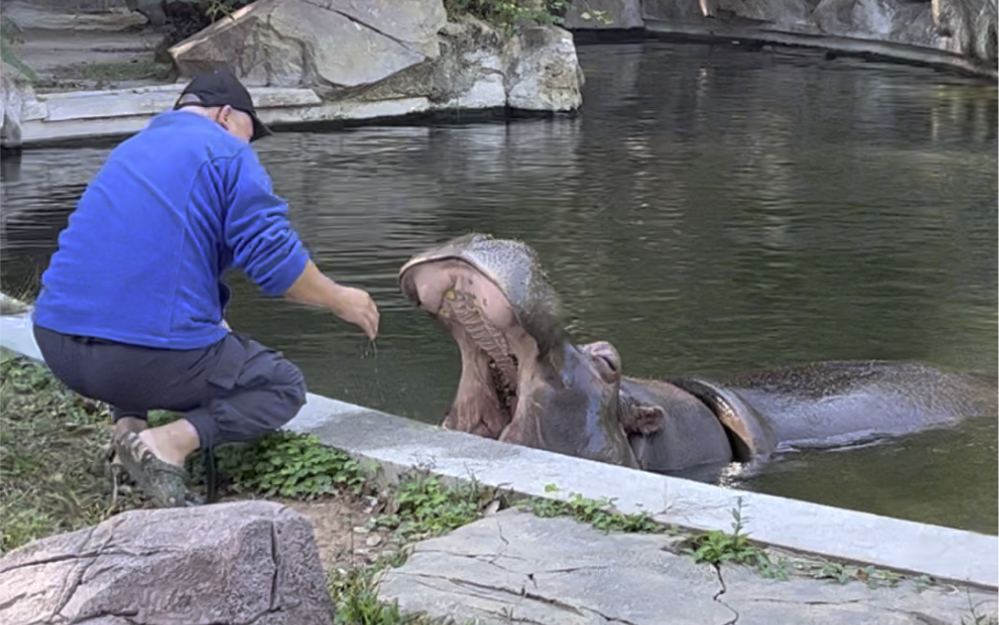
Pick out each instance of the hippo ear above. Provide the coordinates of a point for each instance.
(643, 419)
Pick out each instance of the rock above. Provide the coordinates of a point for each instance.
(231, 563)
(466, 65)
(968, 28)
(963, 27)
(515, 567)
(16, 95)
(334, 43)
(12, 306)
(889, 20)
(545, 75)
(599, 14)
(807, 600)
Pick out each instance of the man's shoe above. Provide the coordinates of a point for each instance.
(163, 481)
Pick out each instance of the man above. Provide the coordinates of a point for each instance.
(132, 305)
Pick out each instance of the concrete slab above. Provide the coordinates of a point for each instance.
(518, 568)
(515, 567)
(122, 112)
(149, 101)
(398, 444)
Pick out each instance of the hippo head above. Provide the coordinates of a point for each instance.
(522, 379)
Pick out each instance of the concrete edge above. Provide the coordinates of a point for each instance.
(853, 46)
(398, 444)
(67, 116)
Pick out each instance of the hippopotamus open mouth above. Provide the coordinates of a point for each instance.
(517, 363)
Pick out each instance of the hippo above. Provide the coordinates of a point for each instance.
(524, 381)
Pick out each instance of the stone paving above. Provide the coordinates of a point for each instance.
(514, 567)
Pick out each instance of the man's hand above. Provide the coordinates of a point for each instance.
(348, 303)
(356, 306)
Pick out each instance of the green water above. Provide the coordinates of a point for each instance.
(710, 211)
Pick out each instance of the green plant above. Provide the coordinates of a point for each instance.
(843, 573)
(10, 38)
(974, 618)
(355, 596)
(217, 9)
(598, 513)
(772, 569)
(288, 465)
(509, 15)
(426, 507)
(589, 13)
(51, 439)
(717, 547)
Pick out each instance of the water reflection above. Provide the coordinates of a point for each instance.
(711, 211)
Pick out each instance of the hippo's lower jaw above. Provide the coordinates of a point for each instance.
(492, 342)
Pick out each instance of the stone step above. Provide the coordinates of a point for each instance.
(110, 17)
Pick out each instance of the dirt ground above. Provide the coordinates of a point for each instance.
(342, 525)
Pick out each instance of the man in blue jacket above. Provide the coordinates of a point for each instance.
(132, 305)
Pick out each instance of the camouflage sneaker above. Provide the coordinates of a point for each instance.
(162, 481)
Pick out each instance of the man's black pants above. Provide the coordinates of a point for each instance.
(232, 391)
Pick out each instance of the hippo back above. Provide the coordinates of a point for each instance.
(839, 402)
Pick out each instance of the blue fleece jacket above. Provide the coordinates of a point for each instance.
(171, 210)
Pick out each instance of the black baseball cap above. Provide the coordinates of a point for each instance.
(219, 88)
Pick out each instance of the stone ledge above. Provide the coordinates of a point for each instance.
(105, 114)
(859, 45)
(398, 444)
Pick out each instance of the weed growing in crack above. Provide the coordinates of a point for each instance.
(717, 547)
(778, 568)
(843, 573)
(598, 513)
(355, 596)
(423, 506)
(976, 618)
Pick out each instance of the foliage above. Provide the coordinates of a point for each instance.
(976, 618)
(10, 38)
(51, 440)
(356, 599)
(426, 507)
(288, 465)
(598, 513)
(213, 9)
(509, 15)
(843, 573)
(717, 547)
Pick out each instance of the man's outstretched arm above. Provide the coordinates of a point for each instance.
(348, 303)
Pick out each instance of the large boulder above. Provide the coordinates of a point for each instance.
(481, 68)
(225, 564)
(334, 43)
(544, 73)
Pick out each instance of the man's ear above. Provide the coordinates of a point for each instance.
(638, 419)
(224, 116)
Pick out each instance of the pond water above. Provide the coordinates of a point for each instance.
(712, 210)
